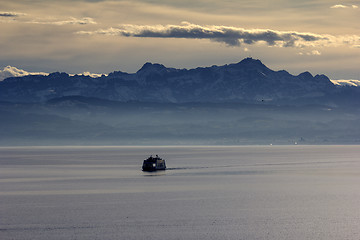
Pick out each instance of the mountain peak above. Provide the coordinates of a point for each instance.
(58, 75)
(250, 60)
(305, 75)
(151, 67)
(251, 64)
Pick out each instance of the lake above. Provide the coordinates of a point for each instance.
(208, 192)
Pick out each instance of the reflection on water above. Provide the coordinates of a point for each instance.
(253, 192)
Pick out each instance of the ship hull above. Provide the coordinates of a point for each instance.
(153, 164)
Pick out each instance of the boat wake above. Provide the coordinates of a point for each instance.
(197, 167)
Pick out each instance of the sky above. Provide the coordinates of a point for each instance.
(96, 36)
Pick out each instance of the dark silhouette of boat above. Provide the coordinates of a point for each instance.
(153, 164)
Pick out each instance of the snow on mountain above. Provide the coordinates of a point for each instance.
(350, 82)
(10, 71)
(93, 75)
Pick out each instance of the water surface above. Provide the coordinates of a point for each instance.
(247, 192)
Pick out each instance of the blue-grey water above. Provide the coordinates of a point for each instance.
(247, 192)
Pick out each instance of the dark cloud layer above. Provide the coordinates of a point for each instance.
(10, 14)
(231, 36)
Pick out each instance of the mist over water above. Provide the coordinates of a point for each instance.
(246, 192)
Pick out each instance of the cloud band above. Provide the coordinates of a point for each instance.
(232, 36)
(11, 14)
(72, 20)
(345, 6)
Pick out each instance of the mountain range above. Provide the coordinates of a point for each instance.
(248, 81)
(234, 104)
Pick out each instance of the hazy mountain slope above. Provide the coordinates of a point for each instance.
(84, 121)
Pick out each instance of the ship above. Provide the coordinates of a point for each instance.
(153, 164)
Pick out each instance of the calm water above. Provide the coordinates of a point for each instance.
(256, 192)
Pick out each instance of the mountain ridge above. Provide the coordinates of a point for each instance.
(246, 81)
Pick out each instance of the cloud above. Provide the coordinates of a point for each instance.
(232, 36)
(47, 20)
(350, 82)
(11, 14)
(10, 71)
(344, 6)
(339, 6)
(72, 20)
(314, 52)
